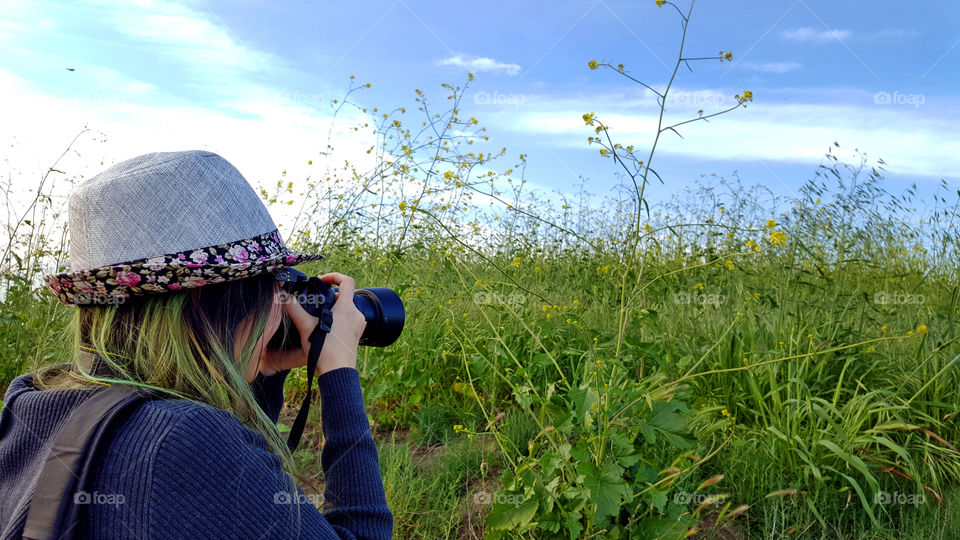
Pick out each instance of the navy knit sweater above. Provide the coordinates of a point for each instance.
(181, 469)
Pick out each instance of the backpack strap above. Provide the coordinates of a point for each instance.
(67, 474)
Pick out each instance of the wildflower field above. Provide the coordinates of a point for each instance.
(727, 364)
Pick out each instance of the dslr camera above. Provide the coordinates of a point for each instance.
(380, 306)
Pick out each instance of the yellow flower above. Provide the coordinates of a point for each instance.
(588, 118)
(771, 223)
(730, 265)
(777, 238)
(592, 64)
(883, 329)
(516, 262)
(751, 243)
(458, 387)
(922, 329)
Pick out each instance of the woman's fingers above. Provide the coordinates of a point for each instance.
(299, 316)
(345, 283)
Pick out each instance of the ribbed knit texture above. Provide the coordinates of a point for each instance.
(181, 469)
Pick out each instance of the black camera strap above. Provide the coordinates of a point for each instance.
(317, 338)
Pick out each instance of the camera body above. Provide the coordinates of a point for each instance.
(381, 307)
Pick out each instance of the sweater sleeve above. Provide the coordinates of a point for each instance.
(214, 478)
(349, 458)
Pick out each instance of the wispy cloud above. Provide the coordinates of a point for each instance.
(911, 140)
(771, 67)
(897, 33)
(480, 64)
(814, 35)
(207, 56)
(206, 89)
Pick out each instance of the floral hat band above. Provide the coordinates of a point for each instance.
(176, 271)
(166, 222)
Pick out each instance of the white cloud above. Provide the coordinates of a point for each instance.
(897, 33)
(6, 24)
(284, 136)
(278, 130)
(912, 140)
(813, 35)
(771, 67)
(480, 64)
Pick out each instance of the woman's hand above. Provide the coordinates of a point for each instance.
(339, 347)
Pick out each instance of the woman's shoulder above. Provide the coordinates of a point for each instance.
(186, 425)
(185, 469)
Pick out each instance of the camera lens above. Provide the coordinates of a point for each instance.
(383, 310)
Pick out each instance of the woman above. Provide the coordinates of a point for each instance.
(171, 257)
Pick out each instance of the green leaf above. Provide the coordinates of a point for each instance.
(583, 400)
(854, 462)
(607, 489)
(666, 422)
(573, 524)
(512, 518)
(657, 499)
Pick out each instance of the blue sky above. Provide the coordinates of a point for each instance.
(251, 80)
